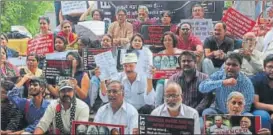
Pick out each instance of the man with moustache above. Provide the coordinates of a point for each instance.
(138, 90)
(173, 106)
(197, 12)
(189, 79)
(63, 111)
(223, 82)
(118, 111)
(216, 48)
(263, 100)
(252, 58)
(34, 108)
(142, 19)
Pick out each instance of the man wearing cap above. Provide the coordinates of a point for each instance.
(33, 108)
(63, 111)
(138, 89)
(118, 111)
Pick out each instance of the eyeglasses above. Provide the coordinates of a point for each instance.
(114, 92)
(269, 67)
(173, 96)
(185, 29)
(232, 64)
(238, 103)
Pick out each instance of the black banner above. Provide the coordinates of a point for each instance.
(152, 34)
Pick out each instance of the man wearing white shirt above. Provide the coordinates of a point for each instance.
(173, 106)
(118, 111)
(138, 91)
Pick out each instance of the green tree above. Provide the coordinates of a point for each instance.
(25, 13)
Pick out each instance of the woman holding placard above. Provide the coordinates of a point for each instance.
(66, 31)
(170, 43)
(44, 26)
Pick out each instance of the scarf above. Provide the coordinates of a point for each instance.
(70, 36)
(59, 121)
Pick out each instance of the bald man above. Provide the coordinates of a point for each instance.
(252, 58)
(173, 106)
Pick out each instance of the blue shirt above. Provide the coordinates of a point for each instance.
(34, 114)
(215, 83)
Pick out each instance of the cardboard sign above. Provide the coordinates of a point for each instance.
(152, 34)
(69, 7)
(57, 70)
(165, 125)
(166, 65)
(201, 28)
(41, 45)
(88, 57)
(229, 124)
(91, 128)
(237, 23)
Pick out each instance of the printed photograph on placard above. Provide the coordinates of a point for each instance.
(166, 65)
(91, 128)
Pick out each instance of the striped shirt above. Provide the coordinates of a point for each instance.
(191, 95)
(215, 83)
(11, 117)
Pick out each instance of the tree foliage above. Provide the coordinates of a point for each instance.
(22, 12)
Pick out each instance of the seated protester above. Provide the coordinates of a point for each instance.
(33, 108)
(138, 89)
(118, 111)
(235, 106)
(32, 70)
(189, 79)
(224, 82)
(252, 58)
(7, 69)
(63, 111)
(169, 41)
(142, 19)
(216, 48)
(11, 117)
(4, 43)
(121, 30)
(187, 41)
(96, 15)
(166, 20)
(263, 84)
(80, 78)
(60, 44)
(173, 106)
(66, 31)
(85, 42)
(269, 49)
(198, 12)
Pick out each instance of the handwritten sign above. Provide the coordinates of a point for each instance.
(107, 65)
(165, 125)
(98, 27)
(166, 65)
(200, 27)
(232, 124)
(41, 45)
(88, 57)
(57, 70)
(92, 128)
(237, 23)
(69, 7)
(152, 34)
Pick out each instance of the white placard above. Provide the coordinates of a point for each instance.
(19, 61)
(200, 27)
(98, 27)
(69, 7)
(105, 61)
(58, 55)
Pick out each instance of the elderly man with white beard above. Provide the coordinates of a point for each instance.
(173, 106)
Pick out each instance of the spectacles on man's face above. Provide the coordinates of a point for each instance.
(185, 29)
(113, 91)
(270, 67)
(173, 96)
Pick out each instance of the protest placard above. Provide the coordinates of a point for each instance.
(166, 65)
(57, 70)
(41, 45)
(237, 23)
(98, 27)
(88, 57)
(201, 28)
(58, 55)
(165, 125)
(107, 65)
(231, 124)
(19, 61)
(92, 128)
(152, 33)
(69, 7)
